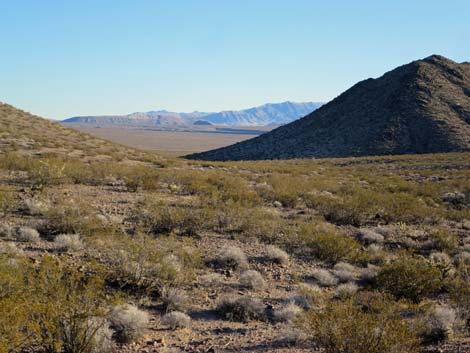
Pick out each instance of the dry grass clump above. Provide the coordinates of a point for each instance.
(174, 299)
(252, 279)
(6, 230)
(308, 296)
(176, 319)
(441, 323)
(27, 234)
(211, 280)
(368, 236)
(243, 309)
(232, 257)
(369, 274)
(462, 257)
(128, 322)
(346, 272)
(346, 290)
(292, 335)
(35, 206)
(103, 340)
(276, 255)
(288, 313)
(67, 242)
(324, 277)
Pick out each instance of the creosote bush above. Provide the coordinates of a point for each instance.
(53, 306)
(345, 327)
(327, 244)
(411, 278)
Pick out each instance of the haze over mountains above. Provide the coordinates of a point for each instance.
(421, 107)
(265, 115)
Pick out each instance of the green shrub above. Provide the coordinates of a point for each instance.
(55, 307)
(443, 240)
(327, 244)
(345, 327)
(410, 278)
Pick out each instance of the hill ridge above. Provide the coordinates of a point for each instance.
(420, 107)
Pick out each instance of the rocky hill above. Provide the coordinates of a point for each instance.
(421, 107)
(264, 115)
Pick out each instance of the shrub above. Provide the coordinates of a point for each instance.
(326, 244)
(346, 290)
(147, 265)
(440, 323)
(308, 296)
(68, 242)
(292, 335)
(344, 327)
(232, 257)
(176, 319)
(252, 279)
(52, 306)
(324, 277)
(276, 255)
(27, 234)
(369, 274)
(103, 340)
(460, 295)
(174, 299)
(287, 313)
(72, 217)
(410, 278)
(346, 272)
(128, 322)
(35, 206)
(443, 262)
(368, 236)
(6, 230)
(443, 240)
(241, 309)
(462, 258)
(211, 279)
(158, 218)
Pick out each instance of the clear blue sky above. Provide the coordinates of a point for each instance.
(78, 57)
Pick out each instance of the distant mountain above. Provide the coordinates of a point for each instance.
(421, 107)
(265, 115)
(134, 119)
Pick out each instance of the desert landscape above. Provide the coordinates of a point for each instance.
(336, 224)
(173, 143)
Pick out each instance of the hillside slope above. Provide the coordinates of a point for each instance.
(28, 134)
(421, 107)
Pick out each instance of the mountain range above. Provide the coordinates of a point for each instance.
(420, 107)
(264, 115)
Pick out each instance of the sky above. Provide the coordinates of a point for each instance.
(89, 57)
